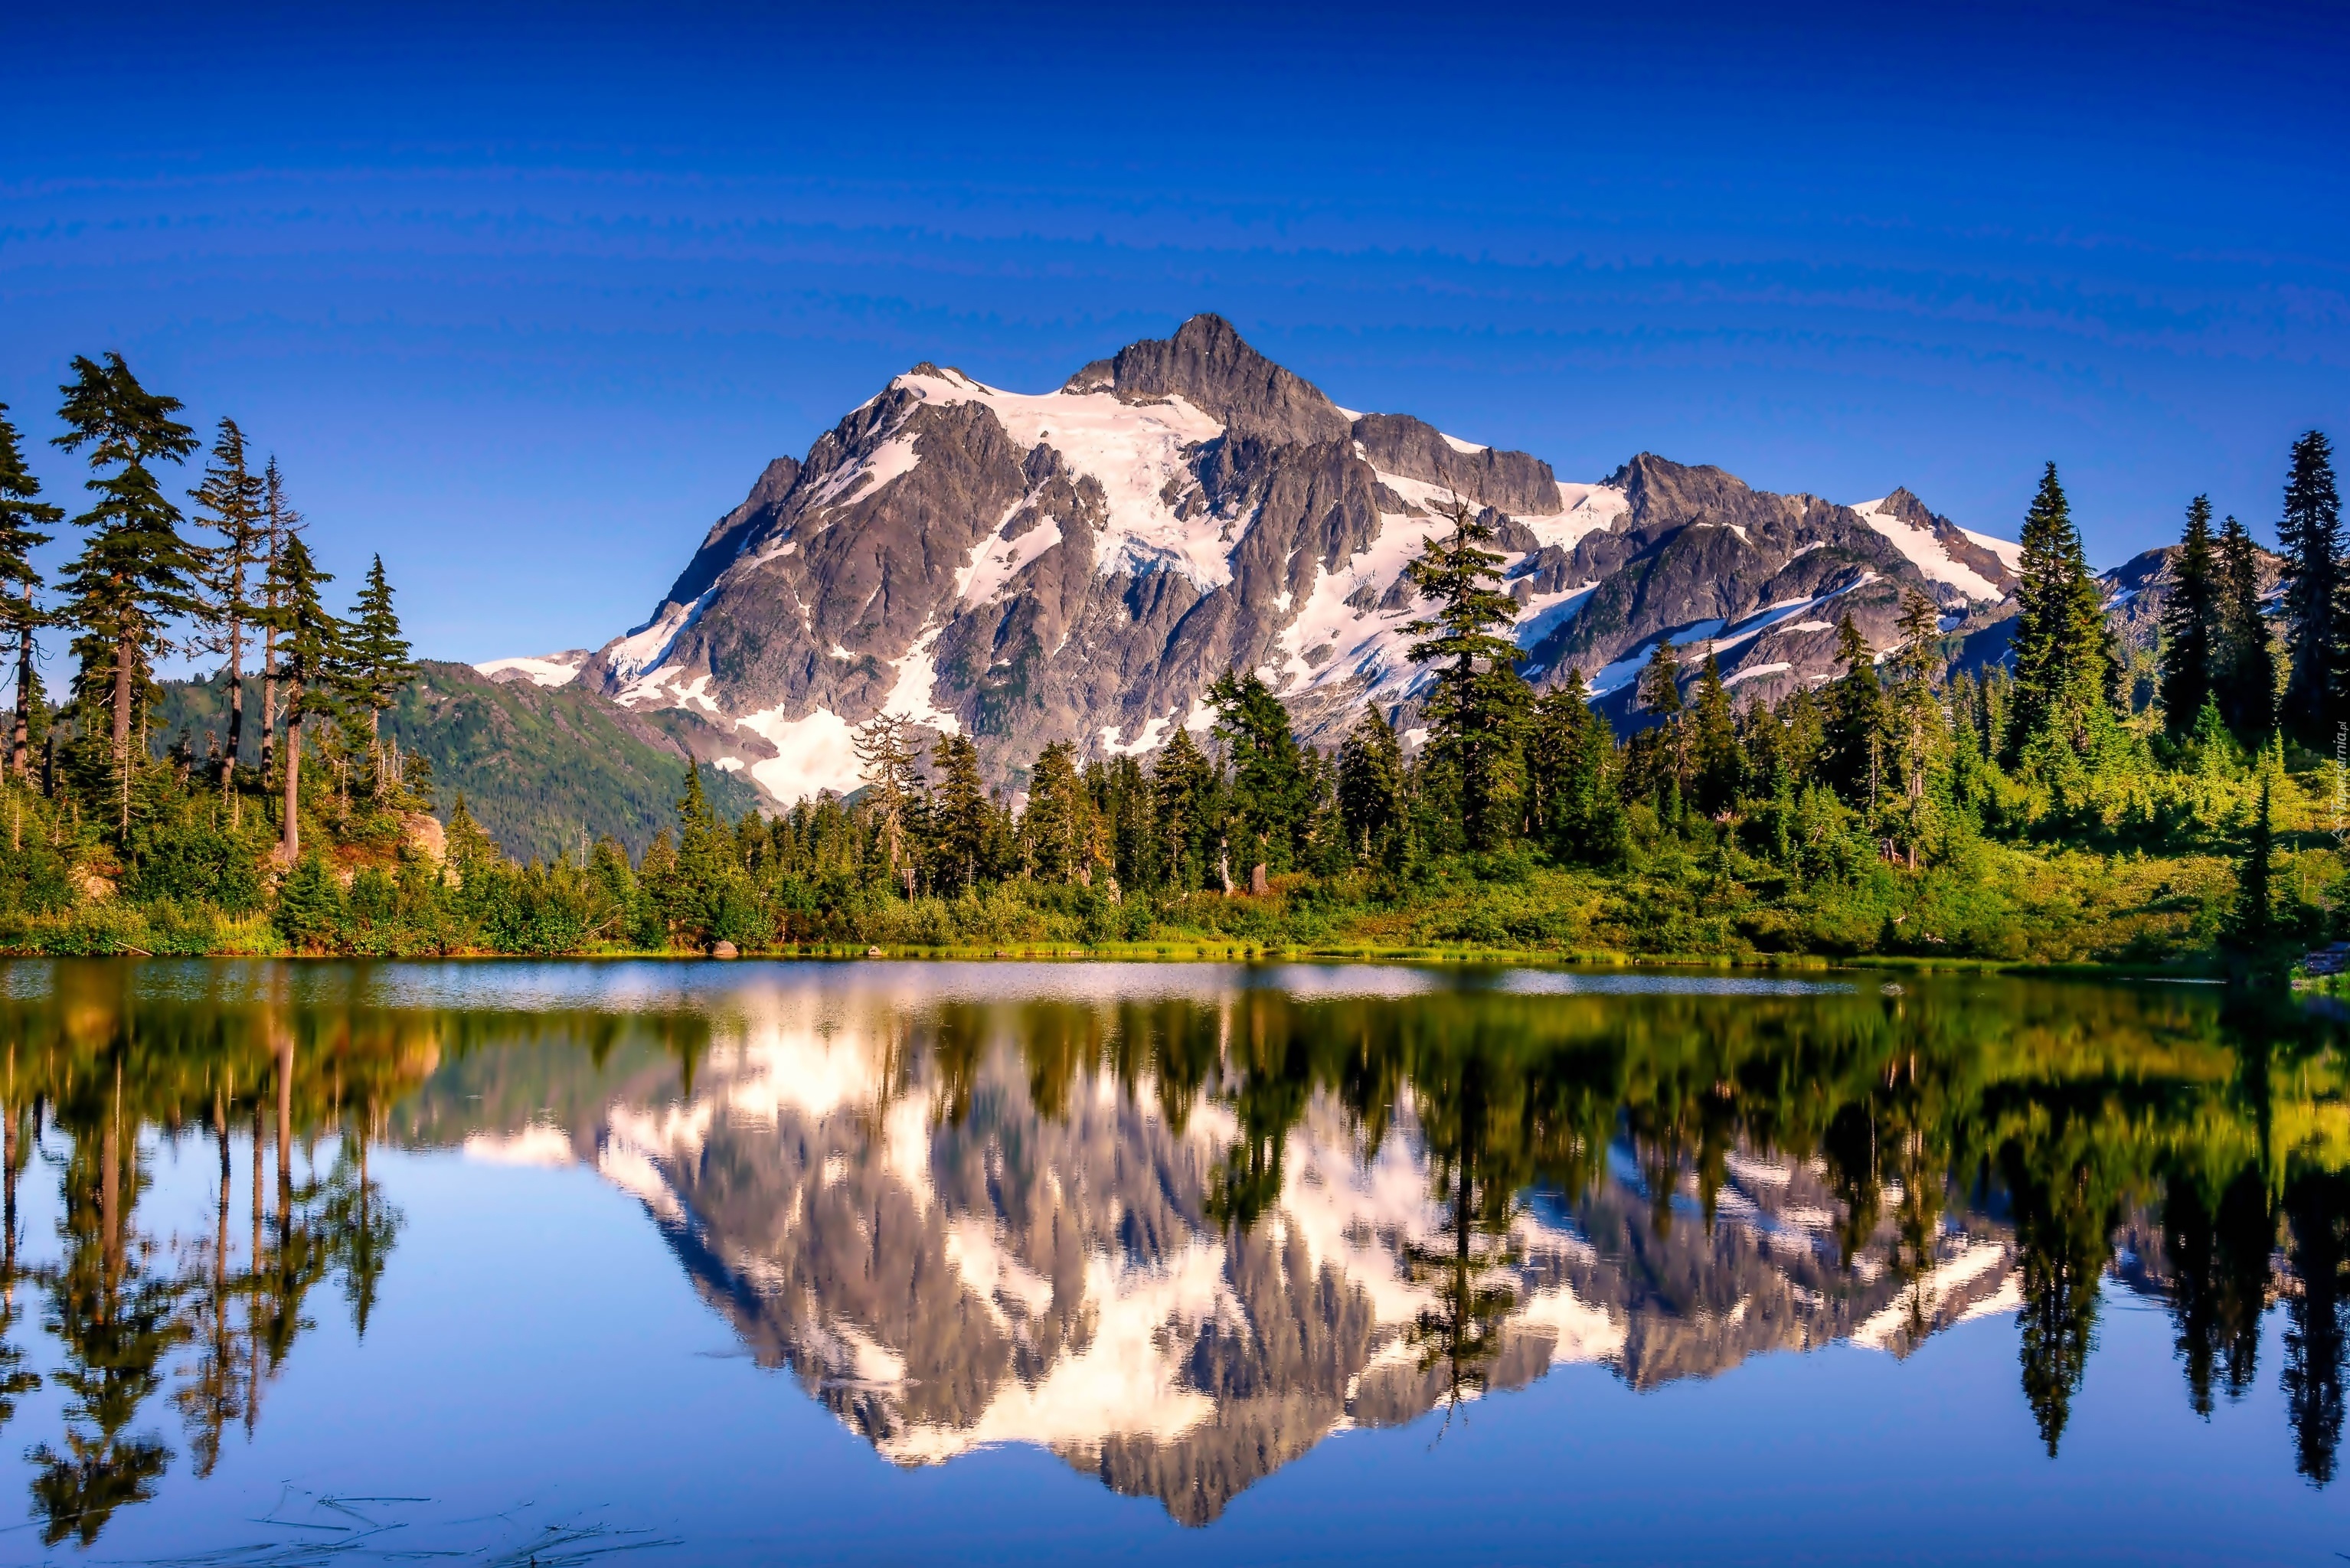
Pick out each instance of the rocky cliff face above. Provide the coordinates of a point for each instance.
(1079, 564)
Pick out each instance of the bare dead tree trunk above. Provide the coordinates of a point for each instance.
(292, 843)
(20, 750)
(122, 656)
(235, 701)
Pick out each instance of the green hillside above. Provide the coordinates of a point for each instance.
(535, 764)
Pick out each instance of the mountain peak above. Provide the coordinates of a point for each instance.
(1209, 366)
(1081, 564)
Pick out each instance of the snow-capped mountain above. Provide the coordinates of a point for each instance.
(1081, 563)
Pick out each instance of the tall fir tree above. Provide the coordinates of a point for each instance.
(2061, 705)
(1269, 816)
(308, 654)
(134, 573)
(1058, 829)
(23, 516)
(1371, 788)
(378, 664)
(1913, 710)
(1477, 705)
(2190, 623)
(2245, 678)
(1715, 764)
(1571, 805)
(1854, 722)
(963, 819)
(2309, 538)
(1659, 687)
(230, 503)
(1185, 788)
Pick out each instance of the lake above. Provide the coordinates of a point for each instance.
(881, 1262)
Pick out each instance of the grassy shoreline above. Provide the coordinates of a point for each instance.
(2209, 970)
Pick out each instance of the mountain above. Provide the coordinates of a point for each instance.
(536, 763)
(1080, 565)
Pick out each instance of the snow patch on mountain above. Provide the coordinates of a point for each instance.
(915, 695)
(998, 560)
(2009, 551)
(1134, 450)
(540, 669)
(635, 659)
(1153, 733)
(855, 481)
(1584, 509)
(813, 754)
(1927, 554)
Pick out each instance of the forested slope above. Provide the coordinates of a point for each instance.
(535, 765)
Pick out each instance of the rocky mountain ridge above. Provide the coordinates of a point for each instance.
(1079, 564)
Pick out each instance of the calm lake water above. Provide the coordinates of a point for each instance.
(884, 1263)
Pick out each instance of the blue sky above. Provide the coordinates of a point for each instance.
(524, 299)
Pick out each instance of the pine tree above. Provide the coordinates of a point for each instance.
(1855, 727)
(1915, 716)
(2060, 708)
(706, 896)
(133, 573)
(307, 661)
(1184, 784)
(2191, 623)
(22, 518)
(1058, 828)
(1269, 814)
(309, 912)
(2245, 678)
(1659, 689)
(1573, 809)
(1370, 788)
(1478, 703)
(962, 819)
(232, 499)
(378, 666)
(1715, 763)
(469, 847)
(2309, 538)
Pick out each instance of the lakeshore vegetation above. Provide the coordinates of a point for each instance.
(2081, 801)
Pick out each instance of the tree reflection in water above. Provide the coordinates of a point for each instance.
(105, 1067)
(1300, 1212)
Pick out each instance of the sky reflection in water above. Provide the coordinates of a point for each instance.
(1286, 1263)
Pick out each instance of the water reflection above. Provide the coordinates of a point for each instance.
(1178, 1226)
(96, 1064)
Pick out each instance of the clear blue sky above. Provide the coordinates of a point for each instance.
(524, 299)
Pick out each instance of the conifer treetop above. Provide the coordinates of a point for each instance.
(22, 515)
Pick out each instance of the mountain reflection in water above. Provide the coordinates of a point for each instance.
(1177, 1225)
